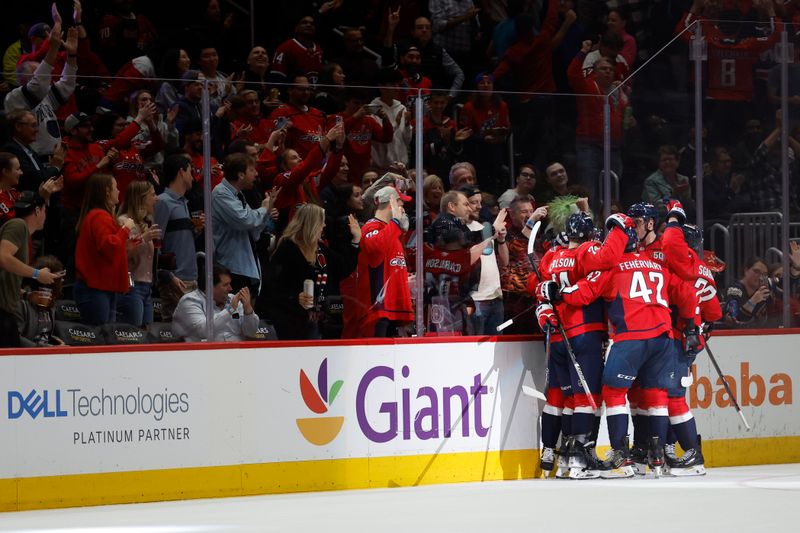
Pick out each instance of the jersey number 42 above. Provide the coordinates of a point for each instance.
(640, 289)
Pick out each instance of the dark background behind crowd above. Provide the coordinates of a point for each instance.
(324, 145)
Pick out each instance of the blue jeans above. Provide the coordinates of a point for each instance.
(488, 315)
(136, 307)
(97, 307)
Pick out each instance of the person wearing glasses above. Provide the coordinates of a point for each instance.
(526, 182)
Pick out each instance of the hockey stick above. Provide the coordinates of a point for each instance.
(511, 320)
(567, 344)
(727, 387)
(530, 391)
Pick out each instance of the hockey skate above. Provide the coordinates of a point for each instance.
(547, 461)
(583, 463)
(562, 466)
(617, 464)
(690, 464)
(638, 460)
(655, 457)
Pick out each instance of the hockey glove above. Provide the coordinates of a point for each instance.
(620, 220)
(692, 338)
(675, 209)
(547, 291)
(546, 317)
(706, 328)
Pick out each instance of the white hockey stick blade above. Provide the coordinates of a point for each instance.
(530, 391)
(741, 415)
(505, 324)
(532, 236)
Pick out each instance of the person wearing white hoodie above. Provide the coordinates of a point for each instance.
(384, 154)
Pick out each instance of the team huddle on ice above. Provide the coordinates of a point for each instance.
(656, 295)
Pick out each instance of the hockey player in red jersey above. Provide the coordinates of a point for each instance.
(682, 244)
(637, 291)
(645, 216)
(585, 327)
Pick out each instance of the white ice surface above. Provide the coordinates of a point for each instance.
(754, 498)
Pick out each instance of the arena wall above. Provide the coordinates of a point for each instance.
(90, 426)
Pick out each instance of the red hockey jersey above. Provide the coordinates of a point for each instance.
(485, 118)
(293, 59)
(306, 130)
(686, 264)
(360, 133)
(382, 287)
(731, 60)
(567, 266)
(637, 292)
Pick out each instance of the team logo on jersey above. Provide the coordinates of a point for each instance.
(399, 261)
(319, 430)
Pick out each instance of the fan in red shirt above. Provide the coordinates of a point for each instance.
(305, 176)
(529, 61)
(248, 123)
(362, 129)
(193, 147)
(487, 114)
(383, 298)
(129, 165)
(305, 123)
(733, 48)
(413, 80)
(730, 58)
(299, 56)
(85, 157)
(10, 172)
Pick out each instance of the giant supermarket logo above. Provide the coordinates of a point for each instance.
(57, 403)
(319, 430)
(421, 413)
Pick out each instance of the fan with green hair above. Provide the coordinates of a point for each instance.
(559, 210)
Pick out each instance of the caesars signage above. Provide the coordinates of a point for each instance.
(155, 410)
